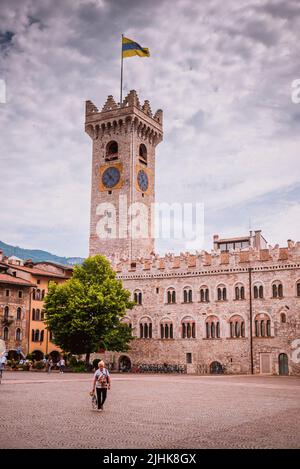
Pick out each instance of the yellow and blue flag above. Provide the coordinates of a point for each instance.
(130, 48)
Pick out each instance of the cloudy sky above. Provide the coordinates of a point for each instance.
(221, 71)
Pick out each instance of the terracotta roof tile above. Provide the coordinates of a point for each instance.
(5, 278)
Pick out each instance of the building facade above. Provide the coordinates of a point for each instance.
(23, 287)
(234, 309)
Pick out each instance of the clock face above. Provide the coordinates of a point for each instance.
(111, 177)
(142, 180)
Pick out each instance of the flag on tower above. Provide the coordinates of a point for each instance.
(130, 48)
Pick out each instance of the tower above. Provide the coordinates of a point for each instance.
(123, 175)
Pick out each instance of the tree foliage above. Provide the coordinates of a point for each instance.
(84, 313)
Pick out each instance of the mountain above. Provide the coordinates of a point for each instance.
(37, 255)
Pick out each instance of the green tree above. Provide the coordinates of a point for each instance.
(84, 313)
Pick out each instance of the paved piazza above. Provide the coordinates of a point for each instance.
(150, 411)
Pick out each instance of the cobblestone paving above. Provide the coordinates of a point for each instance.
(150, 411)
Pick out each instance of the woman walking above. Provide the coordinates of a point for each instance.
(101, 384)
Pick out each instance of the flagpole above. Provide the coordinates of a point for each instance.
(121, 88)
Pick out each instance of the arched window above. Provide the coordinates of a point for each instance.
(283, 318)
(277, 290)
(5, 333)
(18, 334)
(19, 314)
(258, 291)
(262, 325)
(38, 295)
(146, 328)
(112, 150)
(43, 294)
(171, 296)
(222, 293)
(33, 314)
(204, 294)
(166, 330)
(138, 297)
(212, 326)
(237, 327)
(6, 312)
(188, 328)
(42, 336)
(239, 292)
(37, 315)
(42, 315)
(187, 295)
(298, 289)
(143, 154)
(36, 335)
(33, 294)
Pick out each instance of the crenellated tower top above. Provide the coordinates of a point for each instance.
(130, 113)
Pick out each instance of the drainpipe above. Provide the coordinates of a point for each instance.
(250, 318)
(29, 321)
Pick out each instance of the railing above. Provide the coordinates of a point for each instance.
(160, 368)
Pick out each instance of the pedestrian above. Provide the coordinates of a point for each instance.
(101, 383)
(50, 364)
(3, 361)
(61, 364)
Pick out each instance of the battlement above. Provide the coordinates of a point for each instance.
(115, 117)
(206, 261)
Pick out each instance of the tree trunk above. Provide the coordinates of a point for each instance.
(87, 358)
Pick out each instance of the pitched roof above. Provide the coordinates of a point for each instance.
(5, 278)
(39, 272)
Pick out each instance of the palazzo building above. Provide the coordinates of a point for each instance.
(234, 309)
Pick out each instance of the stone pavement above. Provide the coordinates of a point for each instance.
(150, 411)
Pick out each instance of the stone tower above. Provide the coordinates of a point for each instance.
(123, 172)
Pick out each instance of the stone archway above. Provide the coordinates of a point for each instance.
(216, 368)
(37, 355)
(283, 363)
(124, 363)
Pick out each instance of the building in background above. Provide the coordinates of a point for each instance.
(24, 299)
(234, 309)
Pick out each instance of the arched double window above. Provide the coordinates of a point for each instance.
(18, 334)
(35, 335)
(36, 314)
(112, 151)
(221, 293)
(146, 328)
(204, 294)
(19, 314)
(212, 325)
(298, 289)
(187, 295)
(258, 291)
(237, 327)
(277, 289)
(166, 329)
(239, 292)
(37, 295)
(6, 312)
(5, 333)
(188, 328)
(171, 295)
(262, 324)
(138, 297)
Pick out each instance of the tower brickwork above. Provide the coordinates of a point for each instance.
(123, 177)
